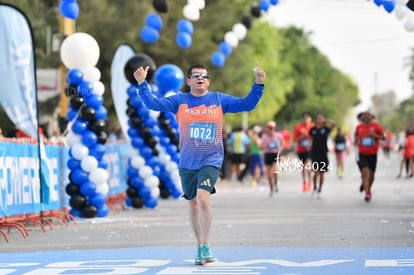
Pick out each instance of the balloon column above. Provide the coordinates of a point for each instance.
(69, 9)
(239, 31)
(401, 8)
(143, 165)
(150, 33)
(86, 137)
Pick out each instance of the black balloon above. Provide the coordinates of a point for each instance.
(155, 152)
(88, 113)
(89, 211)
(145, 132)
(72, 189)
(136, 122)
(139, 60)
(102, 137)
(76, 102)
(137, 202)
(98, 126)
(77, 201)
(170, 132)
(247, 21)
(410, 5)
(131, 111)
(163, 122)
(160, 5)
(132, 192)
(255, 11)
(71, 90)
(151, 142)
(165, 193)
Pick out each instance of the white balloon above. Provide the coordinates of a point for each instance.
(154, 114)
(152, 181)
(79, 151)
(200, 4)
(91, 74)
(409, 25)
(155, 192)
(171, 166)
(102, 188)
(132, 151)
(137, 162)
(164, 158)
(98, 87)
(400, 11)
(402, 2)
(240, 30)
(145, 172)
(79, 50)
(98, 176)
(72, 139)
(231, 39)
(191, 12)
(89, 163)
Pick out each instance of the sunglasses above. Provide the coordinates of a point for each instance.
(197, 75)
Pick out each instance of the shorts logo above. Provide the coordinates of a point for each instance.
(206, 183)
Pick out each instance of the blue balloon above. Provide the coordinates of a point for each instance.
(79, 126)
(85, 88)
(218, 59)
(164, 141)
(144, 192)
(145, 152)
(274, 2)
(151, 202)
(137, 142)
(169, 77)
(176, 194)
(264, 5)
(102, 163)
(89, 138)
(171, 149)
(225, 48)
(156, 131)
(98, 200)
(132, 172)
(132, 132)
(153, 161)
(185, 25)
(389, 5)
(71, 114)
(88, 188)
(150, 122)
(103, 211)
(94, 101)
(79, 176)
(154, 20)
(183, 39)
(136, 101)
(74, 77)
(156, 171)
(143, 112)
(149, 34)
(97, 150)
(73, 164)
(101, 113)
(75, 212)
(137, 182)
(69, 9)
(378, 2)
(132, 90)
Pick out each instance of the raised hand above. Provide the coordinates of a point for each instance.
(140, 74)
(260, 74)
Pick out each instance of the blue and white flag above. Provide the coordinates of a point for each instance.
(18, 78)
(119, 84)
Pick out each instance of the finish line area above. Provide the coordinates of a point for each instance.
(232, 260)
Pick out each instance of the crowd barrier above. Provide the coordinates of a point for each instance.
(21, 200)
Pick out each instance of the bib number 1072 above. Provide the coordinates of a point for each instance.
(202, 131)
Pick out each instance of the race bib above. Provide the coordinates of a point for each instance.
(340, 146)
(273, 145)
(367, 141)
(202, 131)
(304, 142)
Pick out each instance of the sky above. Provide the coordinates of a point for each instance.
(359, 38)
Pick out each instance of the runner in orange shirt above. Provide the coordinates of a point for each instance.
(302, 138)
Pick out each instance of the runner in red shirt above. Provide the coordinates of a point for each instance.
(367, 136)
(303, 144)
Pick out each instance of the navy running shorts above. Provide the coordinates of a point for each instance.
(203, 178)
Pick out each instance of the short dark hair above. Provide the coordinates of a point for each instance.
(196, 66)
(306, 114)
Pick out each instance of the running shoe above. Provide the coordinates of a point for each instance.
(199, 259)
(361, 188)
(206, 254)
(368, 197)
